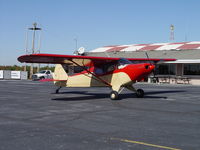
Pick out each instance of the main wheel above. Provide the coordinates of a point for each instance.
(140, 93)
(114, 95)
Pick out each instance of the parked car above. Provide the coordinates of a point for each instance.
(43, 74)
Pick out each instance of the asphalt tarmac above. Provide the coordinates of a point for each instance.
(32, 117)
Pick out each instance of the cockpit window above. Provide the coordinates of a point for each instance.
(42, 71)
(123, 63)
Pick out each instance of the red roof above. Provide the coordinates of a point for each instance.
(151, 47)
(116, 48)
(189, 46)
(140, 44)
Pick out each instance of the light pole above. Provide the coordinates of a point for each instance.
(76, 43)
(26, 48)
(33, 44)
(171, 32)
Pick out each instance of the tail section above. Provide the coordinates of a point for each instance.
(60, 76)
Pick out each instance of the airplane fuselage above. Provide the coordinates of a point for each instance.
(115, 78)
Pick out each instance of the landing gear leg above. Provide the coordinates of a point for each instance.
(57, 90)
(139, 92)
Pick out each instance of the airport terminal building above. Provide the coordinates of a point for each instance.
(185, 70)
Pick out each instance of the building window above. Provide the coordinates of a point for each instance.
(166, 69)
(191, 69)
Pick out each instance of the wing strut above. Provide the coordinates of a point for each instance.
(103, 81)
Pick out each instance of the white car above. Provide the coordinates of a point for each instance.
(43, 74)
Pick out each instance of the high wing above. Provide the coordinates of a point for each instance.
(75, 60)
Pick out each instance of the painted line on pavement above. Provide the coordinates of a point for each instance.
(146, 144)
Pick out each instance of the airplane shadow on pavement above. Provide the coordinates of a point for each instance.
(85, 95)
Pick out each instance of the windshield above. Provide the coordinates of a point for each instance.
(124, 61)
(42, 71)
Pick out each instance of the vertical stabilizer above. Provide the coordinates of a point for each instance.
(60, 73)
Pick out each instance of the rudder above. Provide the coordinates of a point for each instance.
(60, 76)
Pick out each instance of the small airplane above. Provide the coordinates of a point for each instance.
(90, 71)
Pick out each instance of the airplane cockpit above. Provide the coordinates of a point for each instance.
(121, 63)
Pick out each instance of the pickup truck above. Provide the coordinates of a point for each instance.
(43, 74)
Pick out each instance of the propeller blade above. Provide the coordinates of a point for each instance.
(148, 58)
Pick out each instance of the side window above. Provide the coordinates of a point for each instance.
(48, 72)
(98, 71)
(111, 68)
(65, 68)
(78, 69)
(71, 70)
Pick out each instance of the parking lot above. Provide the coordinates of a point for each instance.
(32, 116)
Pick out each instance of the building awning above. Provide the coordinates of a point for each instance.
(184, 61)
(150, 47)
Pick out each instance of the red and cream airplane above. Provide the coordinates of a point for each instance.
(116, 73)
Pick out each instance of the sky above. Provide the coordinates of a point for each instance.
(94, 23)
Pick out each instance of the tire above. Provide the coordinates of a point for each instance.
(42, 78)
(114, 95)
(140, 93)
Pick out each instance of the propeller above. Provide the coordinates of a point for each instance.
(148, 58)
(153, 72)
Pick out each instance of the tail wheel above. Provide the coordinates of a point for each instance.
(140, 93)
(114, 95)
(57, 90)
